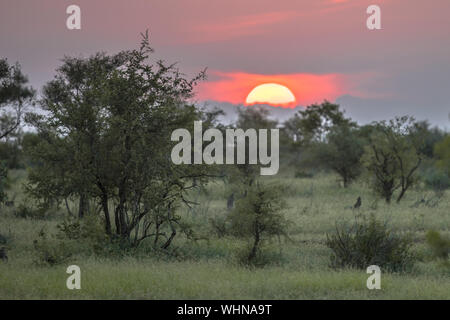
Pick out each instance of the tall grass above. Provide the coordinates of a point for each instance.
(207, 269)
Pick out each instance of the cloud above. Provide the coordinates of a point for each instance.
(236, 27)
(233, 87)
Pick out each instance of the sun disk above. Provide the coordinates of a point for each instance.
(270, 93)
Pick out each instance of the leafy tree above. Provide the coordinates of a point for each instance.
(241, 177)
(258, 217)
(431, 136)
(342, 152)
(106, 137)
(393, 155)
(254, 117)
(14, 96)
(442, 153)
(314, 122)
(308, 130)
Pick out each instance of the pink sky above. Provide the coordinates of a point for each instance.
(321, 47)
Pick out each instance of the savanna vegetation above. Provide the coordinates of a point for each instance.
(86, 178)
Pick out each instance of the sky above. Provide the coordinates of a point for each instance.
(319, 49)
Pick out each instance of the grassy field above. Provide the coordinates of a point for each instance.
(207, 269)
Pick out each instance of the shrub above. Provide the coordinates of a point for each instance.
(88, 232)
(303, 174)
(3, 239)
(436, 179)
(440, 245)
(219, 226)
(258, 217)
(369, 242)
(3, 181)
(262, 258)
(50, 252)
(42, 211)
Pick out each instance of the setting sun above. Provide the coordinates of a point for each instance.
(270, 93)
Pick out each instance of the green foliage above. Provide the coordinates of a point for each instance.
(3, 239)
(392, 156)
(435, 178)
(240, 177)
(88, 233)
(430, 136)
(313, 123)
(442, 153)
(106, 138)
(49, 251)
(369, 242)
(307, 134)
(342, 152)
(14, 95)
(11, 153)
(303, 174)
(262, 258)
(90, 227)
(220, 226)
(439, 245)
(39, 211)
(210, 269)
(254, 118)
(3, 181)
(258, 217)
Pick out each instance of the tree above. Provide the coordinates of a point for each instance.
(3, 181)
(106, 136)
(393, 155)
(309, 128)
(442, 153)
(431, 136)
(14, 96)
(342, 152)
(242, 176)
(258, 216)
(314, 122)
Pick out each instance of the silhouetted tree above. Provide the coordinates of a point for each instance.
(393, 156)
(106, 136)
(14, 97)
(342, 152)
(259, 216)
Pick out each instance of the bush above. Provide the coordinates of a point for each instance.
(259, 217)
(25, 212)
(88, 233)
(219, 226)
(3, 181)
(303, 174)
(270, 256)
(50, 252)
(436, 179)
(3, 239)
(41, 212)
(440, 245)
(369, 242)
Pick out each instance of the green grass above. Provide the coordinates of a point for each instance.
(299, 268)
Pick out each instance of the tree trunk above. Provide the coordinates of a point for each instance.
(402, 193)
(230, 201)
(82, 205)
(106, 213)
(256, 241)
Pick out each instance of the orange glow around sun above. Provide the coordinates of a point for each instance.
(270, 93)
(280, 90)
